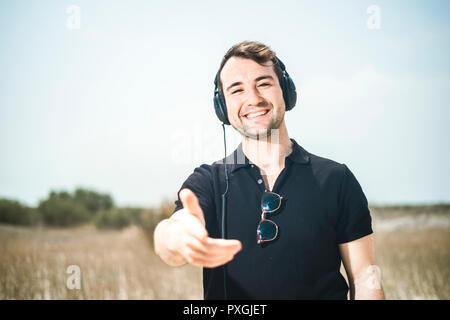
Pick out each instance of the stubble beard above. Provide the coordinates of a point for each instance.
(263, 133)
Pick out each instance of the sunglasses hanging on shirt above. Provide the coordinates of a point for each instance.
(267, 230)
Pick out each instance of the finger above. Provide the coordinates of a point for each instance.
(212, 248)
(210, 264)
(207, 256)
(190, 202)
(231, 245)
(209, 261)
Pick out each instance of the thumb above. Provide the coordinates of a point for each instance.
(190, 202)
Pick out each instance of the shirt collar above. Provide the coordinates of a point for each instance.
(238, 159)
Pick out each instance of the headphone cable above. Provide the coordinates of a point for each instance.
(223, 208)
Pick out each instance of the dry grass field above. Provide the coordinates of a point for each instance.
(412, 249)
(113, 265)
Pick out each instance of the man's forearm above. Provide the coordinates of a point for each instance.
(161, 239)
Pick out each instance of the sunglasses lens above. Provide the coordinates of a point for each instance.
(267, 230)
(270, 202)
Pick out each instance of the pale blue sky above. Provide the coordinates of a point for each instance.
(124, 104)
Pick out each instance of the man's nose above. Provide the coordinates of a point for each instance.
(255, 98)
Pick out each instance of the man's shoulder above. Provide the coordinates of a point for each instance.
(207, 171)
(327, 167)
(325, 163)
(316, 162)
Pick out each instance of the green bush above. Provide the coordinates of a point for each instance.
(66, 209)
(82, 206)
(13, 212)
(115, 218)
(60, 209)
(93, 201)
(134, 214)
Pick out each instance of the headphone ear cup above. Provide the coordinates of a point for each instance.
(220, 107)
(289, 92)
(288, 87)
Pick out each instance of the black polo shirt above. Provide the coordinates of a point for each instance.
(323, 206)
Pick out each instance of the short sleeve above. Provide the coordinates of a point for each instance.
(354, 220)
(199, 182)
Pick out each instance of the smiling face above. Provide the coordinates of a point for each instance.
(253, 96)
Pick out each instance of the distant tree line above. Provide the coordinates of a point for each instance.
(64, 209)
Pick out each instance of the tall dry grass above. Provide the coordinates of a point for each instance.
(415, 265)
(113, 265)
(411, 248)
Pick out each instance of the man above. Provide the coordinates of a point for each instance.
(291, 216)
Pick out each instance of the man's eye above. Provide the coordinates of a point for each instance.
(264, 84)
(238, 90)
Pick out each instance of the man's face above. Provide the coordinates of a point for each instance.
(253, 96)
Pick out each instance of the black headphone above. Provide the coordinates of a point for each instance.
(287, 86)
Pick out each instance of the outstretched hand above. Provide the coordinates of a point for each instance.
(191, 238)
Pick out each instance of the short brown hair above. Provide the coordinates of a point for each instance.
(256, 51)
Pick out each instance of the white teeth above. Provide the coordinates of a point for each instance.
(252, 115)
